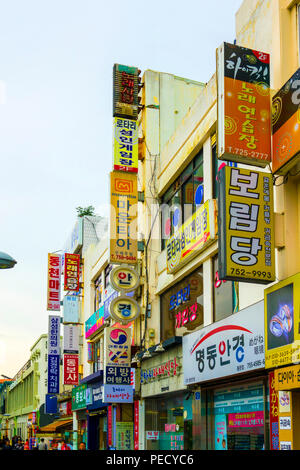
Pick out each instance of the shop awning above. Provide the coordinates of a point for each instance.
(56, 425)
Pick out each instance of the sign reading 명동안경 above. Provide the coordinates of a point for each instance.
(246, 232)
(197, 233)
(123, 218)
(286, 126)
(244, 109)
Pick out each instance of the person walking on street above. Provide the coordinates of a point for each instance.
(43, 445)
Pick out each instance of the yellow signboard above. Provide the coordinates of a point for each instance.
(287, 378)
(197, 233)
(282, 337)
(126, 144)
(123, 217)
(246, 226)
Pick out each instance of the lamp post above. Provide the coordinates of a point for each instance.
(6, 261)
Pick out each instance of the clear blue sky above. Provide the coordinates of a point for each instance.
(56, 60)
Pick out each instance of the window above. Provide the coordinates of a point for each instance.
(182, 198)
(225, 295)
(96, 364)
(106, 276)
(182, 306)
(98, 293)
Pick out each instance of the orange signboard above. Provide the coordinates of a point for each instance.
(244, 111)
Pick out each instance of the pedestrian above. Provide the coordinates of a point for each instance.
(7, 445)
(42, 445)
(26, 445)
(82, 446)
(64, 446)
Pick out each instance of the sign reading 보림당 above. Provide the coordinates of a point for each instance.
(123, 218)
(125, 91)
(53, 286)
(229, 347)
(246, 226)
(126, 145)
(197, 233)
(282, 304)
(285, 126)
(79, 397)
(244, 109)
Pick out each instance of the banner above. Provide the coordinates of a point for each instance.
(246, 226)
(71, 339)
(53, 373)
(125, 91)
(126, 145)
(286, 126)
(71, 309)
(123, 218)
(191, 238)
(274, 414)
(53, 285)
(244, 110)
(71, 376)
(54, 335)
(71, 272)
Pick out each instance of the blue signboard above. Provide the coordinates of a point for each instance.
(51, 405)
(95, 396)
(53, 374)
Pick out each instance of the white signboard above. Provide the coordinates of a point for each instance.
(71, 339)
(117, 347)
(117, 394)
(71, 309)
(285, 422)
(229, 347)
(54, 335)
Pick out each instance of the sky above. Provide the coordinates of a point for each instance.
(56, 60)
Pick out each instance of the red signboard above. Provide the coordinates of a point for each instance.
(71, 272)
(53, 287)
(109, 425)
(71, 369)
(136, 425)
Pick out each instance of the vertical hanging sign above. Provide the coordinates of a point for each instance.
(53, 353)
(71, 272)
(53, 284)
(125, 91)
(246, 226)
(126, 143)
(244, 108)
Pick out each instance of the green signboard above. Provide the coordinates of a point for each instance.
(79, 397)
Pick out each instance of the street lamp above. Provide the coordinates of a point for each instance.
(6, 261)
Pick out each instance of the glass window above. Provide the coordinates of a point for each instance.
(182, 306)
(106, 276)
(225, 297)
(98, 293)
(96, 364)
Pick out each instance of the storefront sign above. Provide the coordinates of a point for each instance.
(79, 397)
(244, 111)
(228, 347)
(71, 369)
(109, 426)
(117, 347)
(71, 309)
(287, 378)
(54, 335)
(152, 435)
(125, 91)
(95, 394)
(124, 436)
(220, 432)
(285, 126)
(246, 420)
(118, 393)
(285, 423)
(124, 279)
(169, 368)
(123, 218)
(192, 237)
(53, 285)
(65, 408)
(286, 445)
(71, 339)
(274, 413)
(126, 145)
(50, 406)
(71, 272)
(246, 226)
(136, 423)
(124, 309)
(95, 322)
(282, 304)
(53, 374)
(118, 375)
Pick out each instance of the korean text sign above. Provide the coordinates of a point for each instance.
(192, 237)
(126, 144)
(246, 226)
(229, 347)
(244, 108)
(125, 91)
(123, 218)
(282, 303)
(53, 373)
(53, 286)
(118, 394)
(117, 346)
(285, 125)
(71, 272)
(71, 369)
(79, 397)
(54, 335)
(274, 413)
